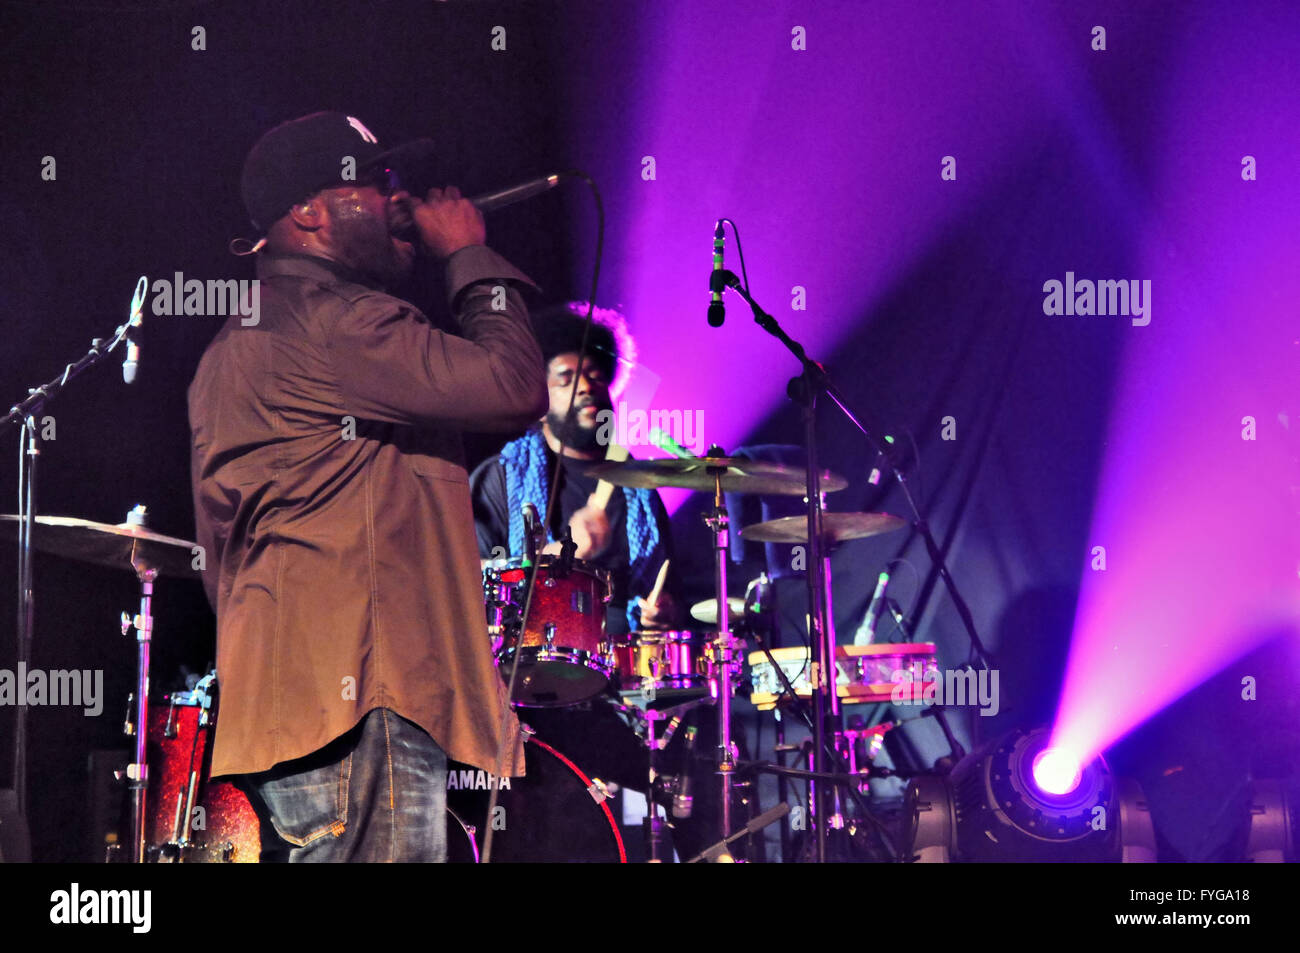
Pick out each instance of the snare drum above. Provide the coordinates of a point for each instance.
(667, 666)
(564, 657)
(866, 672)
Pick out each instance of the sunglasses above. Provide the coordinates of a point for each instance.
(384, 181)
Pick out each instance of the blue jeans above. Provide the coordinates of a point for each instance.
(375, 795)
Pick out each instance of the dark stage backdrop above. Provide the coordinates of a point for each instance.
(924, 292)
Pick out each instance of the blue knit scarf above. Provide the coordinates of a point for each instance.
(524, 462)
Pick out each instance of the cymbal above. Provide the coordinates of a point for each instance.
(107, 545)
(707, 611)
(836, 528)
(739, 475)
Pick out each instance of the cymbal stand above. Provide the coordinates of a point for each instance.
(137, 773)
(654, 824)
(804, 390)
(726, 664)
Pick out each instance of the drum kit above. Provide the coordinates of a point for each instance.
(177, 814)
(566, 659)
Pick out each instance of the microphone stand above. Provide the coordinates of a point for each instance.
(804, 390)
(25, 414)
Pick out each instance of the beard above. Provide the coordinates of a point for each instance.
(367, 245)
(570, 431)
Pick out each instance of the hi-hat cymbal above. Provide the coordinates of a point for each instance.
(836, 528)
(738, 474)
(707, 611)
(107, 545)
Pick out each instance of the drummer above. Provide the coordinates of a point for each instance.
(629, 535)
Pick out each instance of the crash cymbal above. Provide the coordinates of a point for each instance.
(107, 545)
(707, 611)
(836, 528)
(739, 475)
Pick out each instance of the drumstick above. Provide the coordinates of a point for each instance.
(657, 591)
(604, 490)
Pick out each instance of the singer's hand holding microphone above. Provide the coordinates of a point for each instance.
(445, 221)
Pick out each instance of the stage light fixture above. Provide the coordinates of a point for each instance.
(1018, 799)
(1271, 830)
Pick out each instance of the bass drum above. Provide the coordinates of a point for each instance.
(550, 815)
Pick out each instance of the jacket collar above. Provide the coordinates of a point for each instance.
(311, 266)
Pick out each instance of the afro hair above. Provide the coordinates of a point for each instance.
(610, 345)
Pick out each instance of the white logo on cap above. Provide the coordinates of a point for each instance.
(360, 127)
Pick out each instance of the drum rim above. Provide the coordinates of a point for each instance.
(844, 652)
(532, 654)
(531, 738)
(633, 640)
(545, 561)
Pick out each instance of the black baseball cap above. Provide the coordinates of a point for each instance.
(300, 157)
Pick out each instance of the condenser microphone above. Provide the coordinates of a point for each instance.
(131, 363)
(717, 310)
(532, 523)
(867, 630)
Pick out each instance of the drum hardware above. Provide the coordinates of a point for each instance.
(722, 687)
(137, 773)
(564, 655)
(149, 555)
(717, 853)
(869, 740)
(805, 390)
(653, 824)
(717, 472)
(840, 826)
(462, 840)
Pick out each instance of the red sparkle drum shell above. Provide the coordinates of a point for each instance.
(547, 816)
(226, 829)
(565, 658)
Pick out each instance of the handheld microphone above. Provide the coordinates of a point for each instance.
(867, 630)
(515, 193)
(717, 310)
